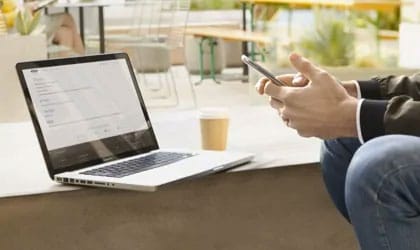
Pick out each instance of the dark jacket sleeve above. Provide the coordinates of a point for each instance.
(392, 106)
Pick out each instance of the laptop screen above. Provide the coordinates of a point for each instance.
(88, 112)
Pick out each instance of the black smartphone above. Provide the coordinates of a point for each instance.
(263, 71)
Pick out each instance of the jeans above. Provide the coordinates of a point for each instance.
(376, 187)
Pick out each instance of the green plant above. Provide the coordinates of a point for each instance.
(331, 43)
(380, 20)
(214, 4)
(366, 62)
(26, 22)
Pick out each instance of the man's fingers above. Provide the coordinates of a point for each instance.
(286, 78)
(275, 104)
(275, 91)
(304, 66)
(299, 80)
(261, 85)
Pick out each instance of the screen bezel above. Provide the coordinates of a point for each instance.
(76, 60)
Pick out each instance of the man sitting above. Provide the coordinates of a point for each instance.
(371, 153)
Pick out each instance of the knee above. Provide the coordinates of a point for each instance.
(374, 161)
(337, 151)
(328, 152)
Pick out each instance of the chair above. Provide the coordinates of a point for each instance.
(158, 28)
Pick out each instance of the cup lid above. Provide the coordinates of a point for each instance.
(213, 113)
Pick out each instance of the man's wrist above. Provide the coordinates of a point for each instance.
(358, 121)
(372, 114)
(348, 118)
(351, 88)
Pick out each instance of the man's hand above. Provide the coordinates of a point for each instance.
(350, 87)
(319, 107)
(292, 80)
(298, 80)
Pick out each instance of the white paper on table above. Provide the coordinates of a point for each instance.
(22, 167)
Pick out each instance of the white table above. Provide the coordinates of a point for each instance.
(100, 4)
(254, 129)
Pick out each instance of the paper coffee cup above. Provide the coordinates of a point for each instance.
(214, 123)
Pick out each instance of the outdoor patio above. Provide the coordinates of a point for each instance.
(186, 56)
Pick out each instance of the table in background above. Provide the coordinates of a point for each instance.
(211, 33)
(379, 5)
(100, 4)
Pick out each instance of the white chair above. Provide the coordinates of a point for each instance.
(158, 28)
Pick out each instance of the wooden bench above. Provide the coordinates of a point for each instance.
(210, 34)
(388, 34)
(230, 34)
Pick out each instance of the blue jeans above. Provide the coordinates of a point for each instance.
(376, 187)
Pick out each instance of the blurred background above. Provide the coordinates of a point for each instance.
(180, 48)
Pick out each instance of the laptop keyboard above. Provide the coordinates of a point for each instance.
(138, 165)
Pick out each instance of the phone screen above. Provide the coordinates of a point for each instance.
(263, 71)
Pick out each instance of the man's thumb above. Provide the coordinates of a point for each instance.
(303, 65)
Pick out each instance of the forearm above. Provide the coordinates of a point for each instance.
(400, 115)
(385, 88)
(389, 105)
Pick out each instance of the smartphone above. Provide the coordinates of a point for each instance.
(263, 71)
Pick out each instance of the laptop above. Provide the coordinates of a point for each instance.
(93, 127)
